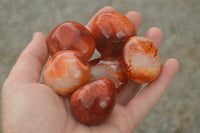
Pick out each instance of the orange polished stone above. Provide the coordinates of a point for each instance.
(111, 68)
(141, 60)
(92, 103)
(71, 36)
(111, 30)
(65, 71)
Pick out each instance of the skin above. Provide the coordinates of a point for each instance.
(30, 106)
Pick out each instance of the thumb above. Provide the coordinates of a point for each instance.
(29, 65)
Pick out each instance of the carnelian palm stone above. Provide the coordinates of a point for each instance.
(111, 30)
(66, 71)
(111, 68)
(141, 60)
(92, 103)
(71, 36)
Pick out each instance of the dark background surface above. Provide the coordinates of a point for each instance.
(179, 109)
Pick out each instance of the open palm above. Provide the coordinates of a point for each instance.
(30, 106)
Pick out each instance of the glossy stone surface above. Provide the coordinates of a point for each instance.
(111, 68)
(66, 71)
(141, 60)
(111, 31)
(92, 103)
(71, 36)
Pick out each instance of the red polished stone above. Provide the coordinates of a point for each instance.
(110, 31)
(92, 103)
(141, 60)
(66, 71)
(111, 68)
(71, 36)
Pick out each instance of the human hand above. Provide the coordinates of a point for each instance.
(30, 106)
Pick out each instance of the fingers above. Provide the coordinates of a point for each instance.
(130, 90)
(145, 101)
(105, 9)
(155, 34)
(29, 65)
(135, 18)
